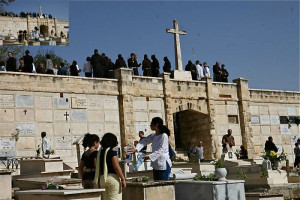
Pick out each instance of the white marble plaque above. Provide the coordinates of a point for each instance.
(94, 103)
(64, 153)
(26, 128)
(284, 129)
(264, 119)
(292, 111)
(7, 153)
(111, 103)
(24, 101)
(111, 116)
(275, 119)
(44, 102)
(79, 102)
(7, 143)
(294, 139)
(254, 119)
(63, 142)
(79, 116)
(142, 126)
(61, 102)
(7, 100)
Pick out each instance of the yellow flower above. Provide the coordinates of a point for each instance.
(273, 153)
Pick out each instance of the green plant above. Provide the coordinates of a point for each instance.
(273, 156)
(241, 174)
(218, 163)
(38, 151)
(210, 177)
(52, 152)
(264, 173)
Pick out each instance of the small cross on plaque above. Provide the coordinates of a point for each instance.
(25, 111)
(66, 115)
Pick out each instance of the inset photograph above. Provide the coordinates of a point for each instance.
(34, 22)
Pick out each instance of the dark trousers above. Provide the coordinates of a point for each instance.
(162, 174)
(50, 71)
(88, 74)
(297, 161)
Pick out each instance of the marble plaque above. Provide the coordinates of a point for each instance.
(79, 102)
(254, 119)
(7, 100)
(292, 111)
(264, 119)
(61, 102)
(279, 147)
(111, 103)
(63, 142)
(44, 102)
(275, 119)
(79, 116)
(142, 126)
(7, 143)
(64, 153)
(26, 128)
(294, 139)
(111, 116)
(284, 129)
(94, 103)
(7, 153)
(24, 101)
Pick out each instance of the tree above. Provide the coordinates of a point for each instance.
(5, 2)
(17, 52)
(40, 57)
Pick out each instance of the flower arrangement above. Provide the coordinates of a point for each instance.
(210, 177)
(237, 153)
(38, 151)
(52, 186)
(16, 134)
(273, 156)
(218, 163)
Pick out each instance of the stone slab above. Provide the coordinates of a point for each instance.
(26, 128)
(7, 100)
(61, 102)
(37, 166)
(5, 185)
(264, 119)
(284, 129)
(79, 115)
(209, 190)
(111, 103)
(63, 142)
(7, 143)
(181, 75)
(79, 102)
(43, 102)
(24, 101)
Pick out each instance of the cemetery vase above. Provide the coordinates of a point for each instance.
(277, 165)
(221, 173)
(266, 164)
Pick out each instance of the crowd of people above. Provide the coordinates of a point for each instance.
(24, 15)
(101, 66)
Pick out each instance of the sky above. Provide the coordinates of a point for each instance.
(58, 8)
(255, 40)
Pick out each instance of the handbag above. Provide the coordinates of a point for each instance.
(171, 152)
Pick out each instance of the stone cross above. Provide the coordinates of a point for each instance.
(25, 111)
(176, 33)
(40, 7)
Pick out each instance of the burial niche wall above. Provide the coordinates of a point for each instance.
(191, 126)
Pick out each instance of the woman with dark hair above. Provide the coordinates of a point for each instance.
(74, 70)
(160, 159)
(86, 167)
(108, 169)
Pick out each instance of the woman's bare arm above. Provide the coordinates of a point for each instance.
(118, 170)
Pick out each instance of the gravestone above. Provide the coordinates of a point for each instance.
(26, 128)
(79, 116)
(24, 101)
(7, 143)
(274, 119)
(284, 129)
(255, 119)
(79, 103)
(7, 100)
(63, 142)
(61, 103)
(142, 126)
(264, 119)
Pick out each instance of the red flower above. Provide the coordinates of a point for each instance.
(217, 163)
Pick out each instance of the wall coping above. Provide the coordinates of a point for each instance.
(147, 77)
(267, 90)
(223, 83)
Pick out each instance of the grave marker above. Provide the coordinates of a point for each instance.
(79, 116)
(26, 128)
(7, 100)
(24, 101)
(61, 102)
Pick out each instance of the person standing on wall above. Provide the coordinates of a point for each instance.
(28, 60)
(160, 158)
(11, 63)
(49, 65)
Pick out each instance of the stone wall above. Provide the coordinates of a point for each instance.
(35, 103)
(270, 111)
(14, 24)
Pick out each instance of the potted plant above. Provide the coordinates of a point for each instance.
(220, 171)
(275, 158)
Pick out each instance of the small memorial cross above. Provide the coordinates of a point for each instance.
(25, 111)
(66, 115)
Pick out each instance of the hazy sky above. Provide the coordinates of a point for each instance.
(255, 40)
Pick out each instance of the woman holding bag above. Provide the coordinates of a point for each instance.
(108, 169)
(160, 159)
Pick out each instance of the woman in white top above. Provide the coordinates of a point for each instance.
(87, 69)
(160, 159)
(49, 65)
(206, 70)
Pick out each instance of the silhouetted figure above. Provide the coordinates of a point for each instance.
(192, 68)
(62, 70)
(28, 60)
(133, 64)
(105, 66)
(111, 67)
(11, 63)
(154, 66)
(225, 74)
(146, 66)
(217, 72)
(97, 61)
(269, 145)
(120, 62)
(74, 70)
(167, 65)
